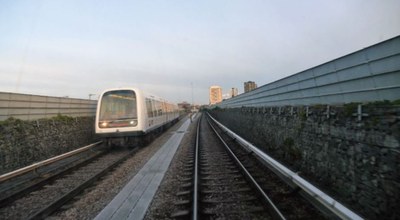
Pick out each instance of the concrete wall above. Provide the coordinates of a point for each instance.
(32, 107)
(355, 161)
(25, 142)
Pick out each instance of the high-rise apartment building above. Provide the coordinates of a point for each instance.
(250, 85)
(234, 92)
(215, 94)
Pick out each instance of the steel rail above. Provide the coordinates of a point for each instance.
(59, 202)
(322, 198)
(274, 211)
(195, 193)
(37, 165)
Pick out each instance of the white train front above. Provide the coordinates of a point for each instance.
(124, 114)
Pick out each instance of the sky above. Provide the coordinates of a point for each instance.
(177, 49)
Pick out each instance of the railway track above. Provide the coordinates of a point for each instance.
(41, 198)
(19, 182)
(227, 182)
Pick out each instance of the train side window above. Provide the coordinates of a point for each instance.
(153, 106)
(159, 108)
(164, 107)
(149, 108)
(156, 113)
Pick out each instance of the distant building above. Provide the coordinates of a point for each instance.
(234, 92)
(184, 106)
(250, 85)
(215, 94)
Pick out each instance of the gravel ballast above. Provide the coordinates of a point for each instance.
(163, 202)
(94, 199)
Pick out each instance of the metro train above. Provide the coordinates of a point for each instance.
(125, 116)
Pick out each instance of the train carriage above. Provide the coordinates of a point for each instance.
(124, 115)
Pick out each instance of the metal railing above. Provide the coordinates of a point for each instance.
(371, 74)
(31, 107)
(316, 194)
(35, 166)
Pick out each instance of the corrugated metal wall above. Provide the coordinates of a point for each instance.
(31, 107)
(371, 74)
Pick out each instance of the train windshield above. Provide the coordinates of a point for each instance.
(118, 105)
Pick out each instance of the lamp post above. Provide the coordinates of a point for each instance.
(192, 96)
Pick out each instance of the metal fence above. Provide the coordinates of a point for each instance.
(371, 74)
(31, 107)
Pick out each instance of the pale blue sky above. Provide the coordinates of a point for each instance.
(74, 48)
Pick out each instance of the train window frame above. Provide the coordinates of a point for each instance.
(109, 103)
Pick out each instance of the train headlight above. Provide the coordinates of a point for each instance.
(118, 123)
(103, 124)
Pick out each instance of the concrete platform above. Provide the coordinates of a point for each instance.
(134, 199)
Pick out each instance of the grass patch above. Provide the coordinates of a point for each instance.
(63, 118)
